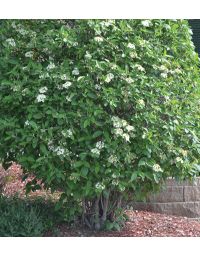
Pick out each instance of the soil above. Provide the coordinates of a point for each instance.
(140, 224)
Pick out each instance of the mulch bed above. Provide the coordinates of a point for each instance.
(140, 224)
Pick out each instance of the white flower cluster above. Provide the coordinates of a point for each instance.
(69, 98)
(98, 39)
(60, 151)
(97, 86)
(51, 66)
(114, 176)
(99, 146)
(109, 77)
(107, 23)
(100, 186)
(112, 159)
(146, 23)
(140, 68)
(115, 182)
(75, 71)
(41, 97)
(122, 128)
(45, 75)
(178, 159)
(133, 54)
(11, 42)
(129, 80)
(157, 168)
(72, 177)
(95, 151)
(67, 84)
(184, 152)
(43, 90)
(131, 46)
(67, 133)
(163, 75)
(141, 103)
(29, 54)
(88, 55)
(63, 77)
(27, 123)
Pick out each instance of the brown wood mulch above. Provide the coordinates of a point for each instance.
(140, 224)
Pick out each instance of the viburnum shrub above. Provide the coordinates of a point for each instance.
(99, 109)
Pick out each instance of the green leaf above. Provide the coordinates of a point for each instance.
(86, 123)
(43, 149)
(97, 134)
(84, 171)
(77, 164)
(134, 176)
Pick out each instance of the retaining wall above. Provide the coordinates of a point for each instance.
(175, 198)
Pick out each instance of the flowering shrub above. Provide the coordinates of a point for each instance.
(99, 108)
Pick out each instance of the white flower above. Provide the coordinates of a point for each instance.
(98, 39)
(133, 54)
(11, 42)
(43, 90)
(24, 91)
(97, 86)
(119, 131)
(88, 55)
(66, 85)
(100, 186)
(129, 80)
(41, 98)
(184, 152)
(146, 23)
(144, 135)
(131, 46)
(75, 71)
(109, 77)
(140, 68)
(27, 123)
(123, 55)
(157, 168)
(130, 128)
(163, 75)
(51, 66)
(112, 159)
(45, 75)
(126, 137)
(100, 145)
(29, 54)
(115, 182)
(59, 151)
(69, 98)
(63, 77)
(95, 151)
(122, 188)
(178, 159)
(141, 102)
(124, 123)
(116, 121)
(67, 133)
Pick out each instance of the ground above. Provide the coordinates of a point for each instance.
(140, 224)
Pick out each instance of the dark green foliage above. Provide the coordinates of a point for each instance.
(23, 218)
